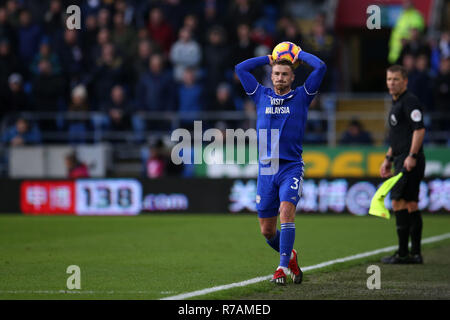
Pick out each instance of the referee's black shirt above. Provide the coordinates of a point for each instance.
(406, 115)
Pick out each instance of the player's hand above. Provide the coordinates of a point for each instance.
(270, 59)
(385, 170)
(296, 56)
(409, 163)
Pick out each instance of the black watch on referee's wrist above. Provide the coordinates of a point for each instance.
(414, 155)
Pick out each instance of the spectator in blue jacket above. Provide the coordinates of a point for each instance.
(155, 91)
(117, 111)
(420, 81)
(190, 94)
(45, 53)
(355, 134)
(47, 88)
(22, 133)
(155, 88)
(108, 72)
(29, 37)
(71, 54)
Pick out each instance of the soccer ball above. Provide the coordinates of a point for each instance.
(286, 50)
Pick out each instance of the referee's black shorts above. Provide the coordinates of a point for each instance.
(408, 187)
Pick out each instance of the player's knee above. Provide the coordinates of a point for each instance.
(268, 232)
(268, 227)
(287, 212)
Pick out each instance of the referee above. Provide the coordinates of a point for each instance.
(406, 134)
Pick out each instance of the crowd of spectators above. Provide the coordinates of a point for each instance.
(132, 57)
(427, 61)
(428, 65)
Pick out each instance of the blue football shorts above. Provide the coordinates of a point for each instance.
(284, 185)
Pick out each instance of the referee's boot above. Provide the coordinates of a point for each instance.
(279, 277)
(396, 259)
(296, 272)
(416, 259)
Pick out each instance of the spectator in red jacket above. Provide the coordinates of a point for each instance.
(75, 168)
(160, 30)
(157, 162)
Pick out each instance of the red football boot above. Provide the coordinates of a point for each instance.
(279, 277)
(296, 272)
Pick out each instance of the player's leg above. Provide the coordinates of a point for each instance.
(269, 230)
(287, 239)
(290, 182)
(286, 242)
(268, 224)
(287, 234)
(267, 203)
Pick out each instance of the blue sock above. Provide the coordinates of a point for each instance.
(287, 238)
(275, 241)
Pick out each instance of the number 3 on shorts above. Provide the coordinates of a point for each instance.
(295, 186)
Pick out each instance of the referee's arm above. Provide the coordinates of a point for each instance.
(416, 143)
(385, 170)
(414, 113)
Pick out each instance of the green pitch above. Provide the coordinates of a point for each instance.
(156, 256)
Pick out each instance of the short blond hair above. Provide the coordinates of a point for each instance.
(283, 62)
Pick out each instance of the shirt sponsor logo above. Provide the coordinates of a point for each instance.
(416, 115)
(277, 110)
(276, 101)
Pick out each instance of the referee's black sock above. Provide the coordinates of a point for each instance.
(415, 229)
(402, 222)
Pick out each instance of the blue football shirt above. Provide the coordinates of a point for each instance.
(288, 114)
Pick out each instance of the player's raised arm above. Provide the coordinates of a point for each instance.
(243, 70)
(314, 80)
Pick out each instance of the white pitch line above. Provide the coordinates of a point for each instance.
(313, 267)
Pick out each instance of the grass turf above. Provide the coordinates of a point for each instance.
(155, 256)
(430, 280)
